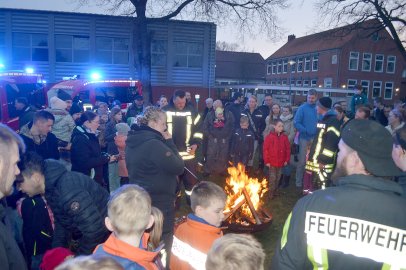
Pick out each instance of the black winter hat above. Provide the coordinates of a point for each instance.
(63, 95)
(236, 95)
(75, 109)
(325, 102)
(373, 144)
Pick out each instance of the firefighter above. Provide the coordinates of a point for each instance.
(183, 122)
(322, 156)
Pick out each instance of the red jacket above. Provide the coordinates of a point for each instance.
(276, 149)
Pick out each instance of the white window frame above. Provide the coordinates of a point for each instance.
(353, 58)
(376, 60)
(315, 61)
(391, 61)
(365, 86)
(334, 59)
(285, 66)
(364, 58)
(274, 67)
(279, 69)
(388, 88)
(313, 83)
(328, 82)
(351, 83)
(307, 63)
(380, 89)
(300, 63)
(269, 69)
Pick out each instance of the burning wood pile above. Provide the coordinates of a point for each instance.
(244, 210)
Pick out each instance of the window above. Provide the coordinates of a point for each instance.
(284, 81)
(366, 61)
(112, 50)
(307, 64)
(159, 52)
(379, 63)
(350, 85)
(315, 65)
(326, 94)
(353, 62)
(285, 66)
(300, 64)
(313, 83)
(269, 68)
(279, 66)
(388, 90)
(299, 82)
(376, 89)
(293, 66)
(328, 82)
(305, 82)
(334, 59)
(30, 47)
(273, 67)
(72, 48)
(390, 65)
(292, 82)
(188, 54)
(365, 87)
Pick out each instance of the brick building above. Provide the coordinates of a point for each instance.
(340, 59)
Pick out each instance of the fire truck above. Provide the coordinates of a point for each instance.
(19, 84)
(90, 92)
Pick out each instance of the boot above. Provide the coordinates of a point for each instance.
(285, 180)
(281, 179)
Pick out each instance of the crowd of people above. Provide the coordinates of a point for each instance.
(108, 183)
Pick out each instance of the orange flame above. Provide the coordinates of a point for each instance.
(235, 183)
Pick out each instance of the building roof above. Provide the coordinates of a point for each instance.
(240, 65)
(331, 39)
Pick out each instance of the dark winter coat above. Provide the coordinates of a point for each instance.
(256, 122)
(37, 226)
(357, 225)
(154, 164)
(79, 205)
(86, 154)
(276, 149)
(109, 135)
(47, 149)
(235, 109)
(10, 254)
(242, 146)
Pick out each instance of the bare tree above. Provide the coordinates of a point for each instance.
(390, 13)
(246, 14)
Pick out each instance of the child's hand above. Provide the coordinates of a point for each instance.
(268, 165)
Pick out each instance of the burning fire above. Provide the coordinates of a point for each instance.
(237, 184)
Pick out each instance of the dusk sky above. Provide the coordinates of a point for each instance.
(300, 19)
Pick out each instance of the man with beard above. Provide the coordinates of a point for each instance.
(360, 223)
(10, 145)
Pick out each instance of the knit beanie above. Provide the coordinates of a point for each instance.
(57, 103)
(75, 109)
(325, 102)
(122, 129)
(219, 111)
(55, 257)
(63, 95)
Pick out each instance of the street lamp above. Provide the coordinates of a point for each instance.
(291, 62)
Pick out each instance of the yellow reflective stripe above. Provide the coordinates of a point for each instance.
(284, 238)
(170, 128)
(35, 248)
(318, 257)
(188, 129)
(386, 266)
(33, 202)
(197, 119)
(184, 252)
(45, 234)
(318, 146)
(183, 114)
(186, 155)
(327, 152)
(333, 129)
(198, 135)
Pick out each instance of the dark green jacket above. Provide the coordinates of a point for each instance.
(360, 224)
(154, 164)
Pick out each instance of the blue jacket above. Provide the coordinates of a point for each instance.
(305, 121)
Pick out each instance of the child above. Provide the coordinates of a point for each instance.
(194, 237)
(128, 243)
(242, 144)
(236, 252)
(276, 155)
(121, 137)
(219, 121)
(363, 112)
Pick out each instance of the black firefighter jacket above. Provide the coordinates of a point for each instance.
(359, 224)
(79, 205)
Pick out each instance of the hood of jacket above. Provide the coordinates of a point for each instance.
(140, 134)
(329, 114)
(53, 171)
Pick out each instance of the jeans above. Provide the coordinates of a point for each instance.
(300, 168)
